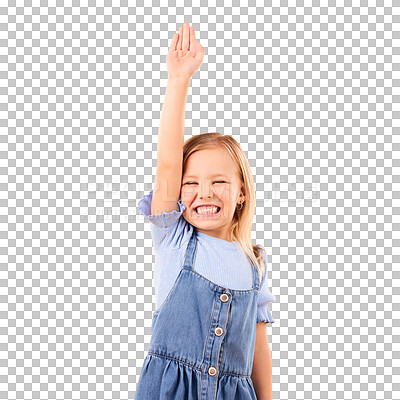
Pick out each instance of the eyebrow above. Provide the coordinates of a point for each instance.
(213, 176)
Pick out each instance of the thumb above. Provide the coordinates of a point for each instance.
(200, 51)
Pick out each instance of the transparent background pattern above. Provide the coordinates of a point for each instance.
(311, 91)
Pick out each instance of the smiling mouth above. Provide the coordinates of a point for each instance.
(207, 214)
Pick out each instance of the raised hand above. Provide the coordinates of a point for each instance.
(185, 55)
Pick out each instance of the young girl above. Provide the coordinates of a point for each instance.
(209, 338)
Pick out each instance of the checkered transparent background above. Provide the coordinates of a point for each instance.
(310, 90)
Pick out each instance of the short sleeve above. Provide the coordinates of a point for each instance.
(169, 230)
(265, 297)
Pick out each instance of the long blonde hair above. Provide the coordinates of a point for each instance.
(240, 229)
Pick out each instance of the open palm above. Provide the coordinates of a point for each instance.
(185, 55)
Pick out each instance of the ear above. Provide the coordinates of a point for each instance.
(243, 191)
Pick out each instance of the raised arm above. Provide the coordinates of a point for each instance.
(184, 58)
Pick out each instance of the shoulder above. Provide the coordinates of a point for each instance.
(262, 252)
(169, 230)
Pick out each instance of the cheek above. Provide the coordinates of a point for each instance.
(221, 191)
(225, 193)
(187, 194)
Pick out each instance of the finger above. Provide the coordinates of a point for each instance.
(192, 38)
(179, 45)
(185, 44)
(174, 42)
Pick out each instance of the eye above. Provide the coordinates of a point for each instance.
(195, 183)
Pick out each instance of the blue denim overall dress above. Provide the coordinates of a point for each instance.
(203, 339)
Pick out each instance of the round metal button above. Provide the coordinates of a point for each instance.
(212, 371)
(218, 331)
(224, 297)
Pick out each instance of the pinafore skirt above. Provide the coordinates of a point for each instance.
(203, 339)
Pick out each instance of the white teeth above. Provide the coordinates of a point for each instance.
(207, 210)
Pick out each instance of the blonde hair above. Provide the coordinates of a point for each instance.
(240, 229)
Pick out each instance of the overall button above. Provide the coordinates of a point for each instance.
(212, 371)
(218, 331)
(224, 297)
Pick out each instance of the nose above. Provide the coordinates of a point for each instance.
(204, 191)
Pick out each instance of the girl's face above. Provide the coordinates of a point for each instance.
(211, 178)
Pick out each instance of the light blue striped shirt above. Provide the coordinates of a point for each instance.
(222, 262)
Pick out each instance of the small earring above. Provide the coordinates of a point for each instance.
(241, 206)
